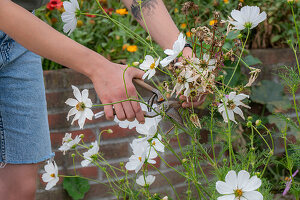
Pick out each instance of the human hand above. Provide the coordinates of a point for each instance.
(109, 85)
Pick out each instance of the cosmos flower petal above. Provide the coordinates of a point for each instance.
(243, 178)
(76, 93)
(224, 188)
(227, 197)
(71, 102)
(169, 52)
(85, 94)
(253, 195)
(231, 179)
(89, 113)
(238, 111)
(253, 184)
(73, 111)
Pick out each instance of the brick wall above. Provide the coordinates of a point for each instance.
(115, 147)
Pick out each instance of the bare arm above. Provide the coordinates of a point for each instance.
(40, 38)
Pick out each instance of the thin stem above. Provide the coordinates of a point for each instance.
(296, 27)
(262, 138)
(243, 48)
(296, 110)
(211, 133)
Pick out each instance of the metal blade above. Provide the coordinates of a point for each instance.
(174, 114)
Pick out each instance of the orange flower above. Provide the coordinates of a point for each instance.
(176, 10)
(242, 1)
(122, 11)
(183, 26)
(132, 48)
(213, 22)
(124, 47)
(188, 34)
(226, 1)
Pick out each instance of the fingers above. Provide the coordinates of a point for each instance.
(120, 112)
(139, 114)
(193, 102)
(129, 112)
(136, 73)
(109, 114)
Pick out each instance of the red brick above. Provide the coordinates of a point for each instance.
(56, 138)
(88, 172)
(115, 151)
(118, 132)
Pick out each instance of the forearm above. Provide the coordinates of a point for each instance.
(159, 23)
(40, 38)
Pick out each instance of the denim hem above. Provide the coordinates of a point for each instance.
(2, 140)
(30, 161)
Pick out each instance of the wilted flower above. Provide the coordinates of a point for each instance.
(232, 101)
(69, 16)
(208, 63)
(254, 74)
(91, 155)
(247, 17)
(178, 46)
(150, 65)
(143, 181)
(82, 105)
(238, 187)
(51, 175)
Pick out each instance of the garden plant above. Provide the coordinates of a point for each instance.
(241, 146)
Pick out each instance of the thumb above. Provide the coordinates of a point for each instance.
(137, 73)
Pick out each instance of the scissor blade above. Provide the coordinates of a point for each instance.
(174, 114)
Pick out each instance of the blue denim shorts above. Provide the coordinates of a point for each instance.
(24, 130)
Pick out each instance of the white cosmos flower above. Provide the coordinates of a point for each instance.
(69, 16)
(142, 151)
(82, 105)
(69, 143)
(157, 144)
(90, 155)
(239, 187)
(51, 175)
(247, 17)
(211, 63)
(143, 181)
(150, 65)
(135, 124)
(232, 101)
(178, 46)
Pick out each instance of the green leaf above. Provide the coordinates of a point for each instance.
(271, 94)
(76, 187)
(233, 35)
(250, 60)
(275, 38)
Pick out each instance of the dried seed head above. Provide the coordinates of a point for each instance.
(188, 6)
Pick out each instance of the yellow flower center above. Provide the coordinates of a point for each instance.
(152, 66)
(80, 106)
(52, 175)
(153, 143)
(140, 158)
(238, 193)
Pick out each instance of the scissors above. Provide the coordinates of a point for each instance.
(170, 107)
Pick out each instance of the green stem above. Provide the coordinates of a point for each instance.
(243, 48)
(296, 109)
(211, 133)
(296, 27)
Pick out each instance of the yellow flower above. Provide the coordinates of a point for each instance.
(122, 11)
(176, 10)
(183, 26)
(188, 34)
(226, 1)
(213, 22)
(132, 48)
(79, 23)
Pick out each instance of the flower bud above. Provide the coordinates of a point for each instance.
(109, 131)
(135, 64)
(184, 160)
(73, 155)
(250, 118)
(148, 37)
(122, 164)
(165, 198)
(257, 173)
(249, 124)
(258, 122)
(224, 160)
(81, 136)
